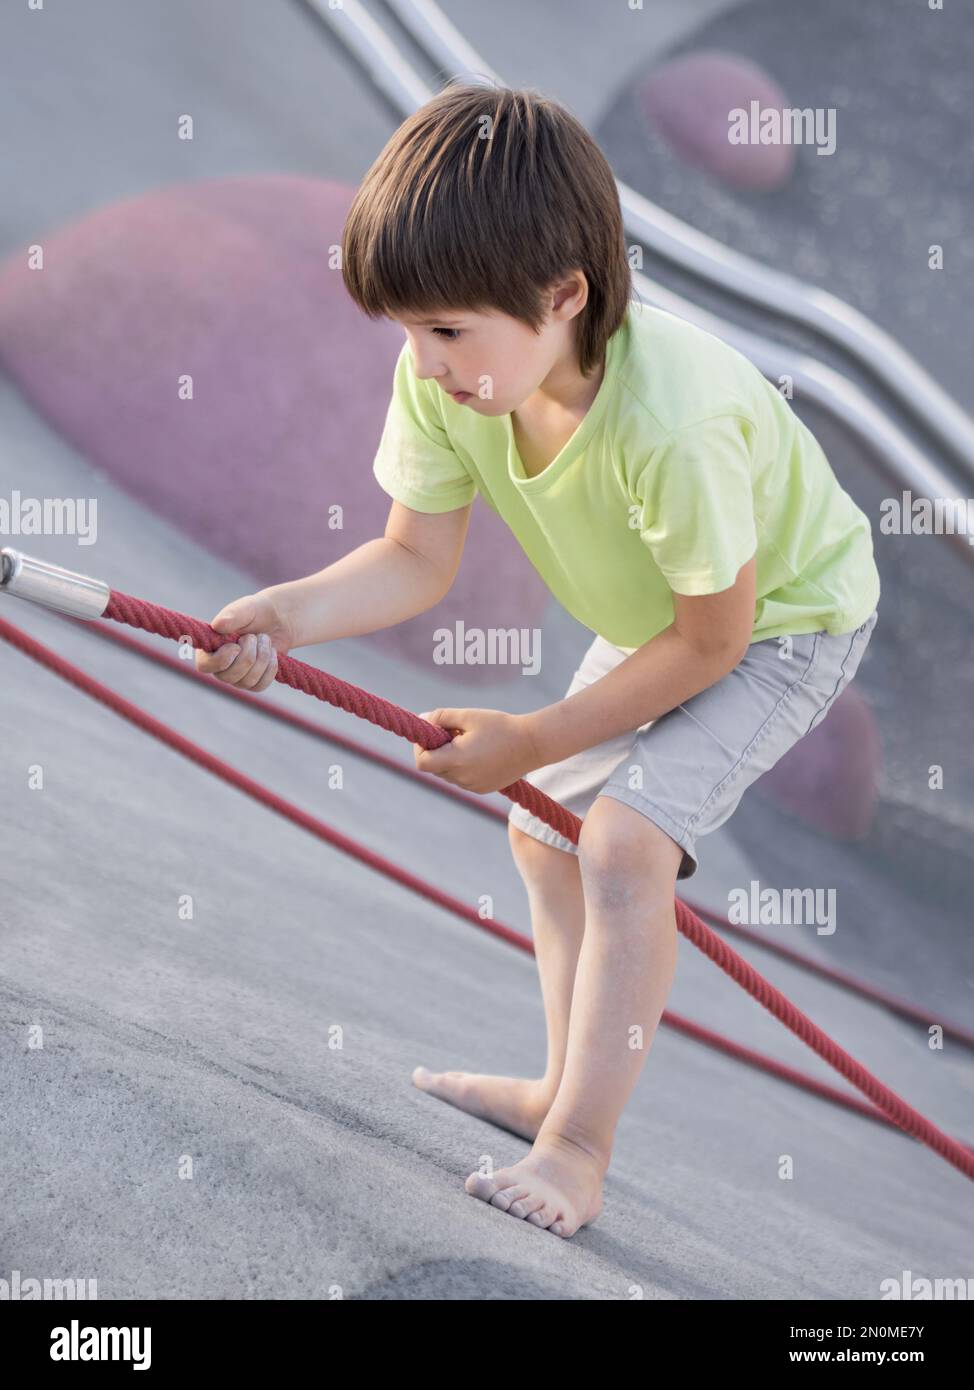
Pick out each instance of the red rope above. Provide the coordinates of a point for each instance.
(289, 716)
(122, 608)
(195, 753)
(916, 1013)
(138, 613)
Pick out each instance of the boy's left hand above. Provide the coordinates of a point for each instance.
(492, 749)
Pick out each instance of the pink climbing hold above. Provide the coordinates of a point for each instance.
(829, 778)
(231, 289)
(689, 101)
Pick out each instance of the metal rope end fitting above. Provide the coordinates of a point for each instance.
(79, 595)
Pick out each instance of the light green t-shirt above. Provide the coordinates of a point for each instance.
(686, 462)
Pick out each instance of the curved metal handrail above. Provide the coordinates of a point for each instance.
(888, 446)
(784, 295)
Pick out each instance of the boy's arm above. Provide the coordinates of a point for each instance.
(381, 583)
(708, 637)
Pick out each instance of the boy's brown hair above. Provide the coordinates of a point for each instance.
(480, 200)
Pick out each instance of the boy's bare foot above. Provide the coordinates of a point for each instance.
(558, 1186)
(515, 1103)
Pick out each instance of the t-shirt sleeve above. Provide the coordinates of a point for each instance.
(696, 506)
(415, 463)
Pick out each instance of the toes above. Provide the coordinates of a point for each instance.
(543, 1217)
(526, 1206)
(446, 1085)
(563, 1227)
(500, 1190)
(479, 1186)
(437, 1083)
(506, 1197)
(506, 1194)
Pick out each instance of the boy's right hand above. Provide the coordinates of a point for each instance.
(251, 662)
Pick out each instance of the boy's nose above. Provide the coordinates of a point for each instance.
(424, 369)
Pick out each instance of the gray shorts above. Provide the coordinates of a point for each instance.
(687, 770)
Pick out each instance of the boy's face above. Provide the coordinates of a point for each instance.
(498, 361)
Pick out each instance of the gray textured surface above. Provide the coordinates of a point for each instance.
(93, 91)
(860, 221)
(317, 1167)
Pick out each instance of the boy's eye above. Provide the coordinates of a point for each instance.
(454, 331)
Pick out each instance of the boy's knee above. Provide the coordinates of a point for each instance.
(618, 844)
(534, 856)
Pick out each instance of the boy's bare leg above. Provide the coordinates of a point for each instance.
(624, 973)
(553, 881)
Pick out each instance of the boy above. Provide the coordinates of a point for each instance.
(670, 499)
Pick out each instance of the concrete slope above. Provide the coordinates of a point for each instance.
(316, 1165)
